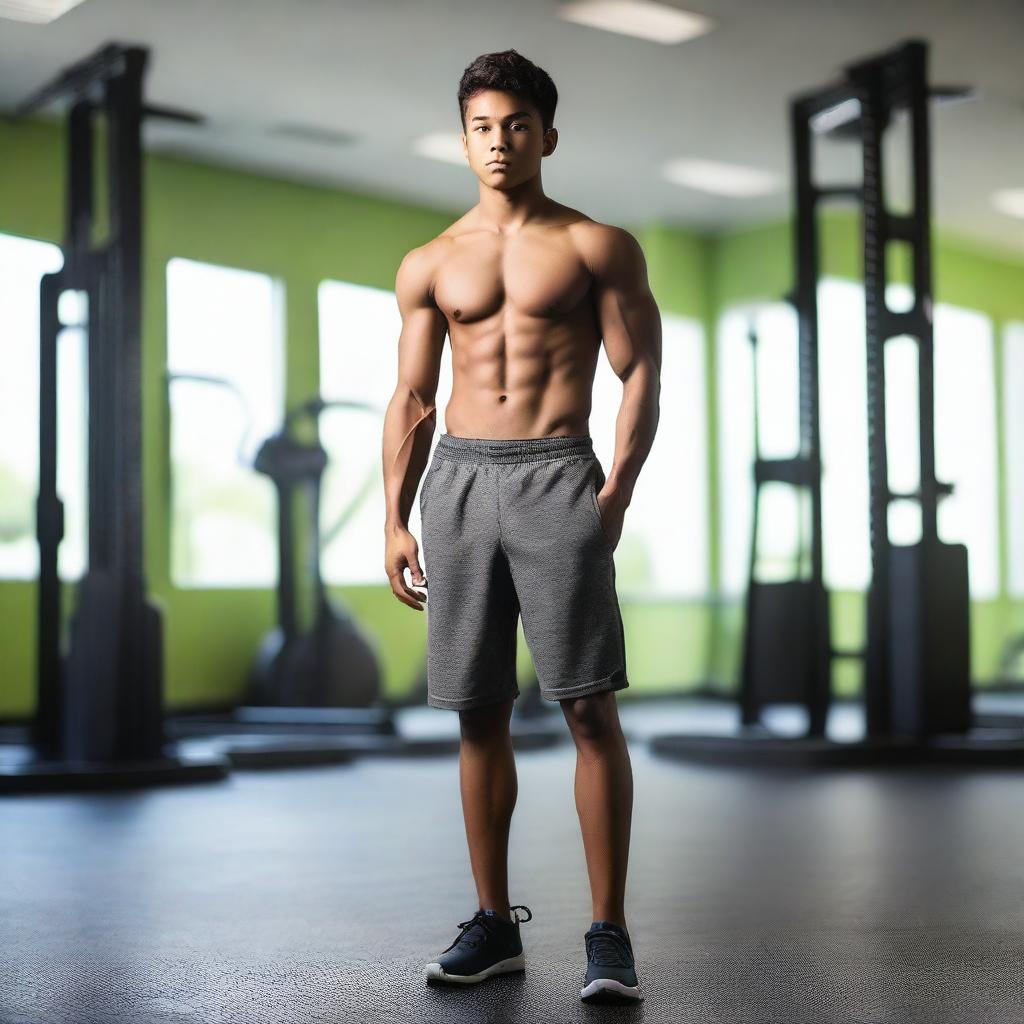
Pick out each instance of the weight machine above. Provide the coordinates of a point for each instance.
(916, 657)
(99, 711)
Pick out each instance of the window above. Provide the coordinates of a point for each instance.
(23, 262)
(226, 378)
(359, 332)
(965, 439)
(774, 324)
(965, 436)
(1013, 419)
(663, 551)
(842, 385)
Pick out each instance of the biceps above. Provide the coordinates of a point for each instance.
(419, 349)
(630, 326)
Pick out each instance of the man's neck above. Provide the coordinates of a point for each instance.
(505, 212)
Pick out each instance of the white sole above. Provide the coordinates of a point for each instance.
(435, 972)
(601, 986)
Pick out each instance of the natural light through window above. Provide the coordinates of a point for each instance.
(670, 498)
(782, 507)
(844, 434)
(1013, 420)
(23, 261)
(359, 333)
(965, 435)
(225, 327)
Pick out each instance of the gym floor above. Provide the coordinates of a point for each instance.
(760, 896)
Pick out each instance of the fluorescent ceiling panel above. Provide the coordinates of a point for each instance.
(37, 11)
(1009, 201)
(720, 179)
(644, 19)
(446, 146)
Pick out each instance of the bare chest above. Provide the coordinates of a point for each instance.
(533, 277)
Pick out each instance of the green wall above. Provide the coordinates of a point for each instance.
(304, 234)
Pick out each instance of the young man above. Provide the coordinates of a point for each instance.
(518, 516)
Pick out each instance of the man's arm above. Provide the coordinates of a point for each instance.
(411, 415)
(631, 328)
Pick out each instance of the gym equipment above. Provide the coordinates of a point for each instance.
(917, 652)
(99, 716)
(312, 682)
(329, 662)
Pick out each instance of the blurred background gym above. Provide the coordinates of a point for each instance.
(224, 795)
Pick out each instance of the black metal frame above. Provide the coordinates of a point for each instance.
(99, 710)
(898, 697)
(916, 690)
(111, 707)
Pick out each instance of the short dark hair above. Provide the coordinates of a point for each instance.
(509, 71)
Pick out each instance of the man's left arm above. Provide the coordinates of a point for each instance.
(631, 328)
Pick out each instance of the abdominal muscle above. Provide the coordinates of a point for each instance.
(536, 382)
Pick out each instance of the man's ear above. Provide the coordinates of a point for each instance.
(550, 141)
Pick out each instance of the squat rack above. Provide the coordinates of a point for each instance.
(916, 656)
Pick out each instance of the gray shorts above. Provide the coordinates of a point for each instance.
(512, 527)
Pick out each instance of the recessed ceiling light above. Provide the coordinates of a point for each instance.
(1009, 201)
(446, 146)
(721, 179)
(646, 19)
(37, 11)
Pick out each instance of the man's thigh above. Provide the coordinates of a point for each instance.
(562, 563)
(472, 609)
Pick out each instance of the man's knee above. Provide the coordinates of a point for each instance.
(592, 718)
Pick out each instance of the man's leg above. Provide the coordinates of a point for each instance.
(604, 798)
(487, 774)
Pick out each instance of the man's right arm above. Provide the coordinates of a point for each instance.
(411, 415)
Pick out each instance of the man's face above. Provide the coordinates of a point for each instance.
(503, 126)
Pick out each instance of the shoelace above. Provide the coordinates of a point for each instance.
(487, 924)
(608, 948)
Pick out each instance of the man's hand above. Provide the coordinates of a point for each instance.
(612, 504)
(401, 552)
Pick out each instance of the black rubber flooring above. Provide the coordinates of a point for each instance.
(318, 894)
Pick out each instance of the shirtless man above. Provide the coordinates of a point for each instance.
(518, 517)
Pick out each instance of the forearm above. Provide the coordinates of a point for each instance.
(408, 430)
(635, 428)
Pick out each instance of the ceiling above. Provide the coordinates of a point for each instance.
(375, 76)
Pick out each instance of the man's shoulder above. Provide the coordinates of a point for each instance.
(595, 234)
(600, 245)
(426, 258)
(428, 251)
(420, 264)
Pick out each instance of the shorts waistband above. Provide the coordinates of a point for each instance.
(512, 450)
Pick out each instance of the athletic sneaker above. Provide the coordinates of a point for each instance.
(488, 944)
(611, 974)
